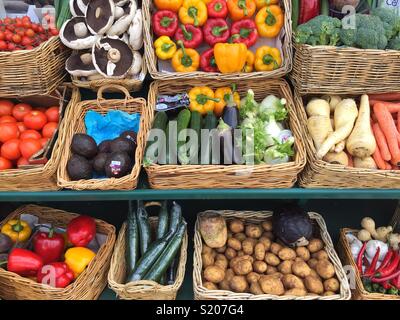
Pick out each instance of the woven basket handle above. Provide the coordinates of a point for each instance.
(153, 204)
(115, 87)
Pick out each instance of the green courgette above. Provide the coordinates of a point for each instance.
(144, 228)
(210, 121)
(171, 272)
(162, 227)
(176, 217)
(325, 7)
(195, 124)
(160, 123)
(132, 241)
(295, 14)
(183, 122)
(165, 259)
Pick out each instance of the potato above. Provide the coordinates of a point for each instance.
(221, 250)
(315, 245)
(213, 229)
(234, 244)
(237, 259)
(266, 242)
(267, 225)
(301, 269)
(221, 261)
(320, 255)
(238, 284)
(331, 284)
(214, 274)
(269, 235)
(298, 292)
(240, 236)
(290, 281)
(225, 284)
(272, 285)
(312, 263)
(328, 293)
(206, 249)
(285, 267)
(253, 277)
(248, 246)
(255, 288)
(275, 248)
(241, 253)
(210, 286)
(314, 285)
(303, 253)
(287, 254)
(207, 259)
(259, 251)
(253, 231)
(260, 266)
(325, 269)
(230, 253)
(271, 270)
(298, 259)
(242, 267)
(314, 273)
(236, 226)
(272, 259)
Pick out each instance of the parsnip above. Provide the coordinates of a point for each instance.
(345, 115)
(340, 146)
(319, 128)
(337, 158)
(361, 142)
(318, 107)
(366, 163)
(333, 101)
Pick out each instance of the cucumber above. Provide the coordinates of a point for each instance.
(325, 7)
(171, 272)
(132, 241)
(144, 228)
(167, 143)
(176, 217)
(160, 122)
(295, 13)
(162, 227)
(183, 121)
(210, 121)
(165, 259)
(195, 124)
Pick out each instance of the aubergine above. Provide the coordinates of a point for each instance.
(5, 243)
(231, 116)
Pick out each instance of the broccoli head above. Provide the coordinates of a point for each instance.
(390, 20)
(321, 30)
(303, 33)
(394, 44)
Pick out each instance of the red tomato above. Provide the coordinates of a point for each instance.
(7, 119)
(11, 47)
(30, 33)
(22, 162)
(30, 134)
(16, 38)
(26, 19)
(49, 129)
(21, 127)
(35, 120)
(20, 110)
(2, 35)
(54, 32)
(9, 36)
(8, 131)
(26, 41)
(44, 141)
(3, 45)
(53, 114)
(6, 107)
(5, 164)
(29, 147)
(10, 149)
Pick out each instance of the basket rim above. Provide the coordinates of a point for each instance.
(5, 54)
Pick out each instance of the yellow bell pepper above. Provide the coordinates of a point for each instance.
(223, 94)
(206, 1)
(263, 3)
(193, 12)
(17, 230)
(249, 66)
(185, 59)
(202, 100)
(267, 59)
(269, 21)
(172, 5)
(165, 48)
(230, 57)
(78, 258)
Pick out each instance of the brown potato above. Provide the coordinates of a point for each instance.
(325, 269)
(248, 246)
(287, 254)
(275, 248)
(242, 267)
(303, 253)
(214, 274)
(331, 284)
(290, 281)
(312, 263)
(272, 259)
(241, 253)
(253, 277)
(267, 225)
(259, 251)
(238, 284)
(222, 263)
(328, 293)
(210, 286)
(225, 284)
(271, 270)
(314, 285)
(271, 285)
(315, 245)
(230, 253)
(220, 256)
(236, 259)
(253, 231)
(236, 226)
(260, 266)
(206, 249)
(285, 267)
(298, 259)
(240, 236)
(298, 292)
(207, 259)
(266, 242)
(320, 255)
(301, 269)
(221, 250)
(255, 288)
(314, 273)
(234, 244)
(269, 235)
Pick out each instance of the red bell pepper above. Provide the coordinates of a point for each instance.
(191, 36)
(371, 270)
(244, 31)
(207, 61)
(217, 9)
(165, 23)
(56, 274)
(216, 31)
(50, 246)
(308, 10)
(81, 230)
(24, 262)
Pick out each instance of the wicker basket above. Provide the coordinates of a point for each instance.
(44, 177)
(142, 290)
(75, 118)
(326, 69)
(201, 293)
(156, 74)
(88, 286)
(321, 174)
(228, 176)
(33, 72)
(344, 251)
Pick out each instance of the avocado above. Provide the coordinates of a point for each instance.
(130, 135)
(105, 146)
(84, 145)
(123, 145)
(79, 167)
(99, 162)
(118, 164)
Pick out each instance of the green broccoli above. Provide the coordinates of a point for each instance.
(321, 30)
(394, 44)
(303, 33)
(391, 21)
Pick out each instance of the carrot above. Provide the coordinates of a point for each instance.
(389, 129)
(391, 96)
(398, 121)
(388, 166)
(393, 107)
(381, 141)
(380, 163)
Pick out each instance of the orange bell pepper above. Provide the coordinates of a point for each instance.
(263, 3)
(241, 9)
(172, 5)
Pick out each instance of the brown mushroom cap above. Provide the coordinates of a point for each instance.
(100, 16)
(75, 34)
(76, 9)
(80, 63)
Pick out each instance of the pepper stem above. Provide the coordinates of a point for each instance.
(245, 32)
(51, 233)
(2, 263)
(268, 59)
(17, 227)
(202, 99)
(166, 22)
(186, 60)
(213, 62)
(218, 7)
(217, 31)
(165, 47)
(186, 34)
(242, 5)
(192, 12)
(270, 19)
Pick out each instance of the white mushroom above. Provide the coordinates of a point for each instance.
(137, 64)
(74, 34)
(122, 24)
(136, 31)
